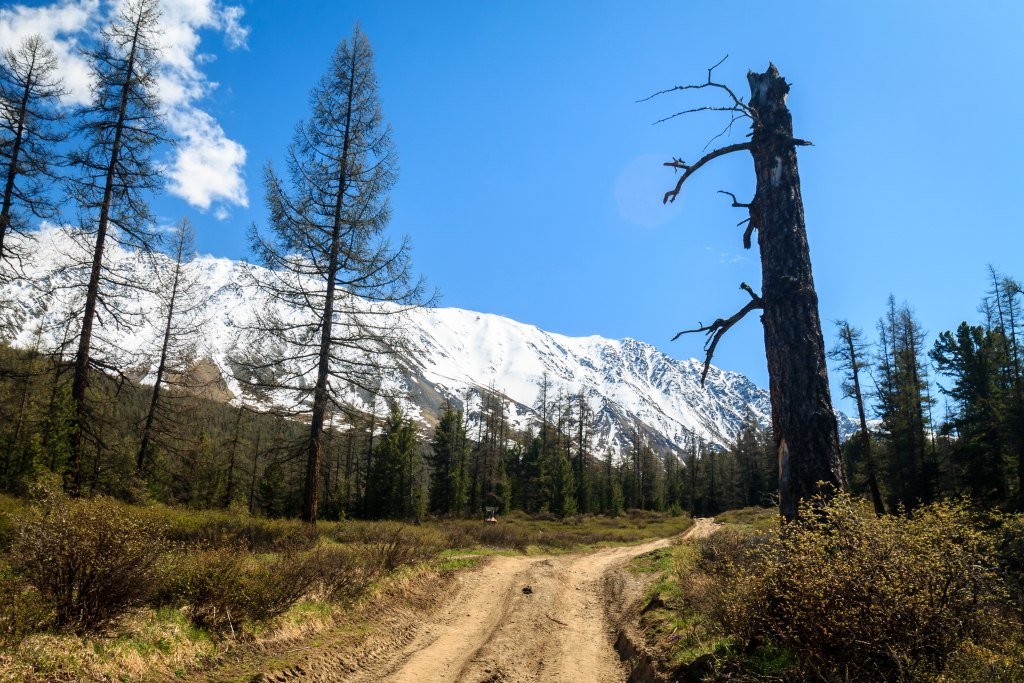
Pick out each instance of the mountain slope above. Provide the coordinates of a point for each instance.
(451, 354)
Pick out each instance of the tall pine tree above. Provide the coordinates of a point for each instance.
(328, 252)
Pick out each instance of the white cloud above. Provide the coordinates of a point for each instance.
(206, 168)
(235, 33)
(63, 24)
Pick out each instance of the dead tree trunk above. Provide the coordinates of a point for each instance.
(803, 420)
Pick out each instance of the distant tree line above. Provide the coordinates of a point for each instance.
(968, 438)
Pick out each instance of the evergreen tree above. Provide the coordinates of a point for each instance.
(902, 406)
(970, 357)
(448, 454)
(581, 466)
(393, 486)
(328, 252)
(1007, 300)
(270, 497)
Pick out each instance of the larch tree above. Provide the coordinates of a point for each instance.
(181, 310)
(850, 354)
(114, 171)
(30, 130)
(1006, 295)
(327, 254)
(803, 419)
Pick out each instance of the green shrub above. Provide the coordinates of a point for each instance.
(856, 597)
(388, 545)
(504, 534)
(90, 560)
(1011, 556)
(344, 573)
(22, 609)
(223, 588)
(225, 529)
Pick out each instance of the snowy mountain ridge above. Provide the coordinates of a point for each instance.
(452, 354)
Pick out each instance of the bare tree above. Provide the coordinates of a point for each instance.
(30, 93)
(335, 282)
(849, 352)
(182, 306)
(120, 127)
(803, 419)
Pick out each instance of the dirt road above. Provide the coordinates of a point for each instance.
(547, 618)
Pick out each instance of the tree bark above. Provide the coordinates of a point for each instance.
(803, 420)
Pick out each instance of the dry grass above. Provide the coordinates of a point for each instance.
(229, 582)
(521, 533)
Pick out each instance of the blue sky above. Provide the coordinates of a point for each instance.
(531, 181)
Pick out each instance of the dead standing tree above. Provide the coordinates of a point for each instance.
(803, 420)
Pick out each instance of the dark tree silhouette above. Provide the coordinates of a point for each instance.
(803, 419)
(120, 127)
(849, 353)
(30, 93)
(182, 307)
(328, 255)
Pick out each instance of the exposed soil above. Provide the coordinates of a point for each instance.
(544, 618)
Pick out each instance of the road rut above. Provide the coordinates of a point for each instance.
(549, 618)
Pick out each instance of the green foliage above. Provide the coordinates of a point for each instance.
(520, 532)
(970, 357)
(224, 588)
(22, 608)
(903, 406)
(448, 479)
(1010, 555)
(228, 529)
(344, 573)
(849, 594)
(395, 488)
(90, 560)
(388, 545)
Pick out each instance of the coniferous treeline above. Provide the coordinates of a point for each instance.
(966, 438)
(204, 453)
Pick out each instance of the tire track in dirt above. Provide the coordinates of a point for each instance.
(563, 629)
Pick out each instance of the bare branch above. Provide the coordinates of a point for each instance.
(728, 129)
(748, 233)
(691, 111)
(716, 330)
(738, 105)
(689, 170)
(747, 288)
(735, 202)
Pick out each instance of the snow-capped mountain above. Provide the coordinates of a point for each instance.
(451, 354)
